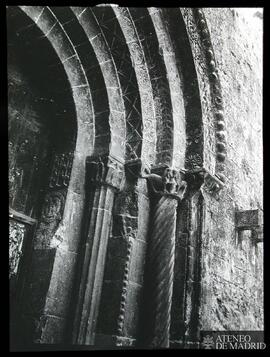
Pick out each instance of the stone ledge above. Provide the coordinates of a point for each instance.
(250, 220)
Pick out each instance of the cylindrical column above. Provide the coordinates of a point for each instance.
(166, 191)
(161, 260)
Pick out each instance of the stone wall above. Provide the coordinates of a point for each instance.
(232, 271)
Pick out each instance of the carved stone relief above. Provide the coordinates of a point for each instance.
(61, 170)
(121, 317)
(194, 161)
(51, 216)
(210, 84)
(16, 235)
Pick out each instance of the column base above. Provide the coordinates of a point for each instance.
(113, 341)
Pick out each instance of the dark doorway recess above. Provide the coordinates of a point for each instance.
(42, 134)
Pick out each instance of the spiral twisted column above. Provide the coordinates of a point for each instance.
(161, 260)
(167, 191)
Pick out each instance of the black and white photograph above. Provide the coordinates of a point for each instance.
(135, 177)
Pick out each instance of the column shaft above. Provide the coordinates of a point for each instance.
(104, 176)
(161, 262)
(166, 189)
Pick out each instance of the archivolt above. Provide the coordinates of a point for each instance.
(116, 43)
(133, 74)
(210, 90)
(164, 67)
(52, 29)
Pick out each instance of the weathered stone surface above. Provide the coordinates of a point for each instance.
(95, 248)
(53, 330)
(125, 225)
(137, 262)
(143, 217)
(145, 87)
(57, 301)
(126, 203)
(110, 302)
(113, 341)
(177, 330)
(248, 219)
(39, 280)
(180, 263)
(229, 277)
(134, 301)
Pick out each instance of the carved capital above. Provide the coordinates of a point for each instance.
(212, 184)
(136, 169)
(104, 170)
(167, 181)
(201, 178)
